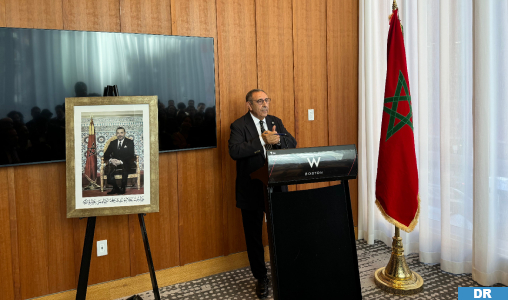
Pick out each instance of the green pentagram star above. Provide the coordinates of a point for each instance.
(404, 120)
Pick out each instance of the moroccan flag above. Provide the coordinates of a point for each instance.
(91, 155)
(397, 175)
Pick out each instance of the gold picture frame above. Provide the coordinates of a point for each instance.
(92, 123)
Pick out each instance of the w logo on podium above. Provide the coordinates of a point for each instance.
(314, 162)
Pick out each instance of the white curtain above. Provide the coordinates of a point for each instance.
(490, 227)
(462, 152)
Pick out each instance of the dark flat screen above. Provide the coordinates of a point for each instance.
(40, 68)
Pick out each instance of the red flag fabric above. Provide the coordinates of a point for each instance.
(91, 154)
(397, 174)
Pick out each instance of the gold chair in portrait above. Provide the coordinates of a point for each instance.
(104, 177)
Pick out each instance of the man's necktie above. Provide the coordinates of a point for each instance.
(267, 146)
(119, 145)
(262, 126)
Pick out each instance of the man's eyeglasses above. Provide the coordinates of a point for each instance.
(260, 101)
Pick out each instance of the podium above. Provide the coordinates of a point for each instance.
(311, 232)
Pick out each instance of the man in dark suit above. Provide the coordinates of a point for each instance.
(120, 159)
(248, 142)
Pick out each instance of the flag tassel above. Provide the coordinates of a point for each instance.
(394, 222)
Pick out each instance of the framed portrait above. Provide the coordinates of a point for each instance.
(112, 152)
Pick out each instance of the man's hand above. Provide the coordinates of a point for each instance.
(270, 137)
(116, 162)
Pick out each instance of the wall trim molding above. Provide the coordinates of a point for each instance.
(141, 283)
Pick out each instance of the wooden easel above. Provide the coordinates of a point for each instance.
(88, 244)
(87, 256)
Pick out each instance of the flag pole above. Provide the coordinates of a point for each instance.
(92, 182)
(396, 277)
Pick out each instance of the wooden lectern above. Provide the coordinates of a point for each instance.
(311, 232)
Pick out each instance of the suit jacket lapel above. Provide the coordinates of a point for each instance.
(251, 127)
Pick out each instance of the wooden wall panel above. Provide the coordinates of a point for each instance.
(91, 15)
(14, 233)
(146, 16)
(6, 259)
(45, 234)
(274, 41)
(60, 230)
(310, 75)
(115, 265)
(195, 18)
(342, 60)
(32, 231)
(199, 172)
(162, 227)
(237, 75)
(45, 14)
(18, 14)
(199, 191)
(2, 13)
(274, 29)
(154, 17)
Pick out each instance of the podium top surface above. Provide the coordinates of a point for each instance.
(316, 164)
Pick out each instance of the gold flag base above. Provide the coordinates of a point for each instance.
(396, 277)
(91, 186)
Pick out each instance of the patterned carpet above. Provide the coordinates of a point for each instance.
(239, 284)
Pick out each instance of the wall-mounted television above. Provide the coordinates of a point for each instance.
(40, 68)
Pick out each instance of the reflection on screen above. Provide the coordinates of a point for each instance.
(40, 68)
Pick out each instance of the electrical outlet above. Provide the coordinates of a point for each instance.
(311, 115)
(102, 248)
